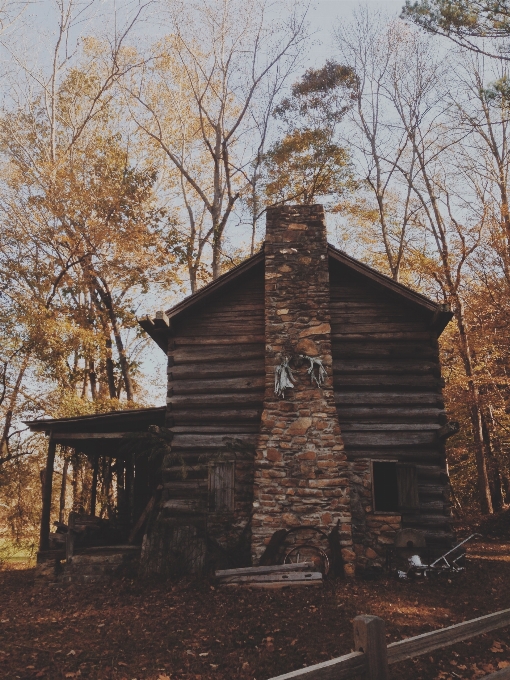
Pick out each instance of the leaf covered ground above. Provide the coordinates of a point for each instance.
(191, 630)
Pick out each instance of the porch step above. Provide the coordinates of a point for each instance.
(89, 565)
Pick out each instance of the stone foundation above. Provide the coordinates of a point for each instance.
(89, 566)
(371, 533)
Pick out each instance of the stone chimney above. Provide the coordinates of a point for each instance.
(301, 471)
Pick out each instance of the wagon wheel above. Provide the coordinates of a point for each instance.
(317, 556)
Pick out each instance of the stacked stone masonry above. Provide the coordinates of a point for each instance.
(301, 471)
(371, 533)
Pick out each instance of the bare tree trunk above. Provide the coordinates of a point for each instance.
(216, 260)
(110, 375)
(4, 442)
(99, 287)
(124, 364)
(92, 379)
(475, 411)
(495, 479)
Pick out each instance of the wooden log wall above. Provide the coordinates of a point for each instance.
(216, 389)
(388, 389)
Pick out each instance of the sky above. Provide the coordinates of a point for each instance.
(325, 13)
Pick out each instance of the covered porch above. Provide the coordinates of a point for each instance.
(121, 452)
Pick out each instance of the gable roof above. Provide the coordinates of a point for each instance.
(216, 285)
(385, 281)
(440, 313)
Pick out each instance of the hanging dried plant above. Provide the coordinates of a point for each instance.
(283, 378)
(318, 377)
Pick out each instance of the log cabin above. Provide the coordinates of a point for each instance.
(304, 412)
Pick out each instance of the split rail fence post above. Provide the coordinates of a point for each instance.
(370, 638)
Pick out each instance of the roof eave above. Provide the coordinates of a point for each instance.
(47, 424)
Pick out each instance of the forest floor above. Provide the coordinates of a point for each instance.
(187, 630)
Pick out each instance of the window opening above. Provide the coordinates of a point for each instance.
(395, 487)
(385, 487)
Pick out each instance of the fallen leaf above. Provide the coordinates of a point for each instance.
(71, 653)
(121, 663)
(204, 654)
(163, 677)
(504, 664)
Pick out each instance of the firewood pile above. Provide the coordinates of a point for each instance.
(303, 574)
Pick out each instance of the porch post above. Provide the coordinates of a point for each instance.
(63, 491)
(44, 538)
(93, 494)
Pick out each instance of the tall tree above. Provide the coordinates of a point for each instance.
(371, 47)
(308, 161)
(80, 229)
(445, 233)
(195, 96)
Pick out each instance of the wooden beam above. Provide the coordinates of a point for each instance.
(442, 316)
(161, 320)
(142, 518)
(158, 334)
(448, 430)
(60, 436)
(273, 569)
(63, 491)
(93, 493)
(503, 674)
(274, 585)
(444, 637)
(44, 536)
(344, 667)
(279, 577)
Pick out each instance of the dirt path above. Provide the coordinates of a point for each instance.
(190, 630)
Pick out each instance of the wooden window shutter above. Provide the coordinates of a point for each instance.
(221, 487)
(407, 481)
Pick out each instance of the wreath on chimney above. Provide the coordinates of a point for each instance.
(284, 378)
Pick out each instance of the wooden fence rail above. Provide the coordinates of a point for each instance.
(372, 660)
